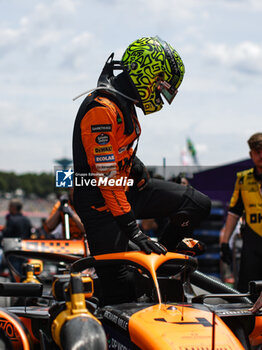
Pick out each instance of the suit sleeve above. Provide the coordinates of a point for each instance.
(98, 131)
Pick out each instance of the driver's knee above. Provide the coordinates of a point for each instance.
(195, 207)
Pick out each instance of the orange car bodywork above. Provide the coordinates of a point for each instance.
(176, 326)
(76, 248)
(179, 327)
(256, 336)
(150, 262)
(58, 246)
(167, 326)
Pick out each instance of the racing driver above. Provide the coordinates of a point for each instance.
(105, 140)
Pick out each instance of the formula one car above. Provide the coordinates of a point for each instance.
(170, 315)
(77, 248)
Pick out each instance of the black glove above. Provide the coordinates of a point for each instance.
(146, 244)
(64, 199)
(65, 207)
(67, 210)
(139, 173)
(128, 225)
(226, 253)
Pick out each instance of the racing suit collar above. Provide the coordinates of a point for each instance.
(127, 108)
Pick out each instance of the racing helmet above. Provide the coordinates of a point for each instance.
(154, 69)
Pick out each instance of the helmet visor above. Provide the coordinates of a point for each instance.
(168, 91)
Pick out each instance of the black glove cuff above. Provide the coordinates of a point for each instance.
(226, 253)
(138, 169)
(225, 247)
(127, 223)
(64, 199)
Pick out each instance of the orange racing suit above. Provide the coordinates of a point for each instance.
(103, 139)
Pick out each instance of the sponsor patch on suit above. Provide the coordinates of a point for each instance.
(104, 149)
(102, 139)
(104, 158)
(101, 127)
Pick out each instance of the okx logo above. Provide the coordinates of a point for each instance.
(64, 178)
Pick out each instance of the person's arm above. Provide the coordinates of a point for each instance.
(225, 251)
(54, 218)
(230, 226)
(73, 215)
(236, 208)
(77, 220)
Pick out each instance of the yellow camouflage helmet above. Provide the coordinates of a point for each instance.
(155, 69)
